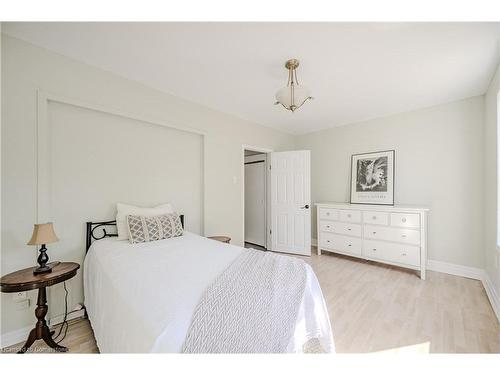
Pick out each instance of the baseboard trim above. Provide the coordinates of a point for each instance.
(456, 269)
(492, 295)
(20, 335)
(71, 315)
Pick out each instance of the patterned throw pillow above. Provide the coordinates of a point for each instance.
(153, 228)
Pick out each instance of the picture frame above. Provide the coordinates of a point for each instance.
(372, 178)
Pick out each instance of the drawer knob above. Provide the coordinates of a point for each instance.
(327, 240)
(349, 245)
(348, 215)
(327, 214)
(348, 228)
(374, 218)
(403, 220)
(404, 254)
(374, 249)
(404, 235)
(374, 232)
(328, 226)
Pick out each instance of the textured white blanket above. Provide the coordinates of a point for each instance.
(251, 307)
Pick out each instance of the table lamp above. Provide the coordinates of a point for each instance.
(43, 234)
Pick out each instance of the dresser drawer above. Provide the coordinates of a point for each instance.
(409, 236)
(328, 213)
(340, 228)
(375, 217)
(405, 220)
(351, 216)
(344, 244)
(391, 252)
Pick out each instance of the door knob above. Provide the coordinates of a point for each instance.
(307, 206)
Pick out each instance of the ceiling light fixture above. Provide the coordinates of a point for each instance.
(293, 95)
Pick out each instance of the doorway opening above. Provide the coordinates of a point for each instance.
(255, 189)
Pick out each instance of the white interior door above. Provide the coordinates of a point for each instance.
(255, 202)
(291, 202)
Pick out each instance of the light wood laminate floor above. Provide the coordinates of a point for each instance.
(375, 308)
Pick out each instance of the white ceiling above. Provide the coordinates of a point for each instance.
(355, 71)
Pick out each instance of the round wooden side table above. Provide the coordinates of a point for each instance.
(23, 280)
(224, 239)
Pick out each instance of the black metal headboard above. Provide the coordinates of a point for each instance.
(102, 233)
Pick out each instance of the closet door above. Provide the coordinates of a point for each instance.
(255, 203)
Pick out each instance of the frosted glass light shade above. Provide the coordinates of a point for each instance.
(284, 96)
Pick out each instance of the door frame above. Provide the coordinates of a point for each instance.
(263, 150)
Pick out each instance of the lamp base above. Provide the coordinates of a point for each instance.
(44, 269)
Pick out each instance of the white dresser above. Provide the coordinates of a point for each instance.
(388, 234)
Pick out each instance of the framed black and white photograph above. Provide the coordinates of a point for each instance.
(372, 178)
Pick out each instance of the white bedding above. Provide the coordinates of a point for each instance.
(140, 298)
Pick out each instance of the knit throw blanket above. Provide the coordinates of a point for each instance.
(251, 307)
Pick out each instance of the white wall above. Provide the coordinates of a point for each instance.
(492, 252)
(97, 159)
(438, 165)
(26, 68)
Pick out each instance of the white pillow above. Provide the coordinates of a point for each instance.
(123, 210)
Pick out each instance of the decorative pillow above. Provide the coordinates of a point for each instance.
(153, 228)
(123, 210)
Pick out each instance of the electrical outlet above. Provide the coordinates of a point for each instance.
(19, 296)
(23, 305)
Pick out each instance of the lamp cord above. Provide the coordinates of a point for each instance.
(64, 324)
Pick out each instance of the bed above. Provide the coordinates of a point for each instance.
(145, 298)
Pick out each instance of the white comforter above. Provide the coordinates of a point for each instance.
(140, 298)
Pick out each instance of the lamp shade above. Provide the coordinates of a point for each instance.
(43, 234)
